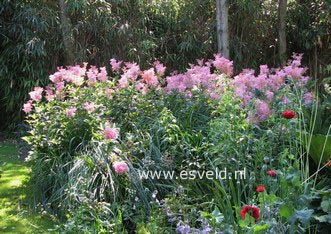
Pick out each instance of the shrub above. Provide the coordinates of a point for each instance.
(93, 132)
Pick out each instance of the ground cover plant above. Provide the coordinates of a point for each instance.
(94, 132)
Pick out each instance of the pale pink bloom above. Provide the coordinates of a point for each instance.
(77, 80)
(200, 62)
(285, 100)
(67, 77)
(297, 59)
(295, 72)
(223, 64)
(264, 69)
(188, 81)
(181, 87)
(115, 65)
(276, 81)
(214, 96)
(102, 76)
(36, 95)
(66, 74)
(60, 95)
(139, 86)
(262, 110)
(49, 92)
(123, 82)
(50, 97)
(247, 97)
(49, 89)
(111, 133)
(109, 93)
(144, 90)
(89, 106)
(270, 95)
(120, 167)
(92, 74)
(71, 112)
(293, 69)
(78, 70)
(59, 86)
(308, 98)
(56, 77)
(305, 79)
(149, 77)
(260, 82)
(188, 94)
(27, 107)
(131, 71)
(173, 82)
(160, 68)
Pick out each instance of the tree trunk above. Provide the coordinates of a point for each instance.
(222, 27)
(66, 34)
(282, 5)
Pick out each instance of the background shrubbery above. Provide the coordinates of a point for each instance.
(174, 32)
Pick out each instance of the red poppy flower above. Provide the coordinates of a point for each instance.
(272, 173)
(289, 114)
(251, 210)
(260, 189)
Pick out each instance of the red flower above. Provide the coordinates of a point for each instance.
(289, 114)
(251, 210)
(272, 173)
(260, 189)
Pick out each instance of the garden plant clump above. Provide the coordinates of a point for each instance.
(94, 131)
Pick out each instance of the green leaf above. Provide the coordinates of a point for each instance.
(271, 198)
(320, 148)
(286, 211)
(259, 228)
(242, 223)
(323, 218)
(326, 205)
(141, 229)
(304, 215)
(217, 215)
(205, 214)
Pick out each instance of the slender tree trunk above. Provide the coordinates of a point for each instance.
(222, 27)
(282, 5)
(67, 36)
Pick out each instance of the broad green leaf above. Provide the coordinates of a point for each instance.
(326, 205)
(261, 228)
(286, 211)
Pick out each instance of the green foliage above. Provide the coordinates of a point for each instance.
(16, 213)
(29, 52)
(174, 32)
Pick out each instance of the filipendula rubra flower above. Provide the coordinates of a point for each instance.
(27, 107)
(120, 167)
(111, 133)
(260, 189)
(272, 173)
(288, 114)
(71, 112)
(251, 210)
